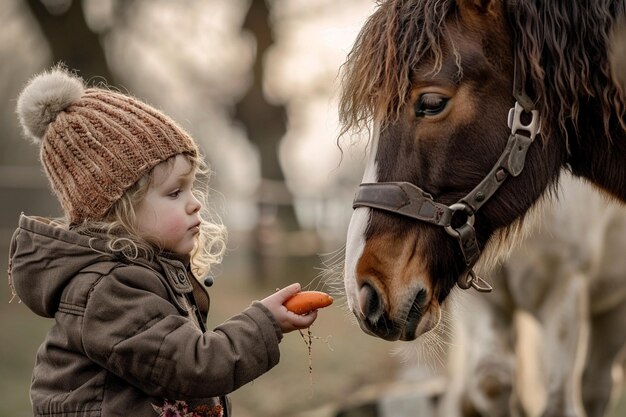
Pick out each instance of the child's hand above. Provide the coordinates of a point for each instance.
(287, 320)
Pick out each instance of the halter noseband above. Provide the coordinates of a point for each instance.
(409, 200)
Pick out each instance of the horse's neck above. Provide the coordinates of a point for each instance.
(602, 162)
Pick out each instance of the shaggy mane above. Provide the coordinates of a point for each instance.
(563, 50)
(394, 39)
(562, 46)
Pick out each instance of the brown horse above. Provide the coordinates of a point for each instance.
(474, 106)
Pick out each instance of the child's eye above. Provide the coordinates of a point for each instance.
(174, 193)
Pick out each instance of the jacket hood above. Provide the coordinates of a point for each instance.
(43, 258)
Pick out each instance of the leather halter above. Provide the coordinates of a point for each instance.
(409, 200)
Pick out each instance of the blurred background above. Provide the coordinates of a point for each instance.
(255, 82)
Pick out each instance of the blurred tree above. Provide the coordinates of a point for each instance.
(70, 38)
(266, 125)
(264, 121)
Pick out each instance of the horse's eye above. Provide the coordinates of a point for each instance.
(430, 104)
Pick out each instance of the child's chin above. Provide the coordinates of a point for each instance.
(181, 249)
(187, 249)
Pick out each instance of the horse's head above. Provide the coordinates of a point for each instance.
(436, 78)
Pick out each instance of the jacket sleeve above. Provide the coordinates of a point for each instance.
(134, 331)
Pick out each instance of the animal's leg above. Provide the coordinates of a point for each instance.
(481, 374)
(608, 338)
(489, 390)
(529, 395)
(565, 319)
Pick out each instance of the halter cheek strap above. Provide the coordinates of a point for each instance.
(409, 200)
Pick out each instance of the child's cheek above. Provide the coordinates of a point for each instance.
(172, 225)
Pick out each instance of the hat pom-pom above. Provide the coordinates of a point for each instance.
(44, 97)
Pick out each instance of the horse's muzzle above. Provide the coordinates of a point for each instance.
(376, 321)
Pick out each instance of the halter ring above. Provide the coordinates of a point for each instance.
(470, 279)
(458, 207)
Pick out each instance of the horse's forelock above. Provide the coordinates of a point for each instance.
(562, 47)
(376, 75)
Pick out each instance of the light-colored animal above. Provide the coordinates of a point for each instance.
(547, 341)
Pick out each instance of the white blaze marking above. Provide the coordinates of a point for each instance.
(355, 241)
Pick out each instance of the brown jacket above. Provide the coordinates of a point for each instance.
(125, 336)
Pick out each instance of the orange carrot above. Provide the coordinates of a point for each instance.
(307, 301)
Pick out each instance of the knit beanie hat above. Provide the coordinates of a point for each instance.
(95, 143)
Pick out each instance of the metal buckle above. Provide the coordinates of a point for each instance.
(514, 121)
(458, 207)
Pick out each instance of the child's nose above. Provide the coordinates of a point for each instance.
(194, 204)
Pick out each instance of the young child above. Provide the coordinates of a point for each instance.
(120, 272)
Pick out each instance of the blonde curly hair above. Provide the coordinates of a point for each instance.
(118, 226)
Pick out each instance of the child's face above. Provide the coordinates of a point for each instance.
(169, 215)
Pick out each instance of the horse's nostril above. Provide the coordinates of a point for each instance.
(370, 303)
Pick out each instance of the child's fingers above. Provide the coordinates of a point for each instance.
(288, 320)
(303, 321)
(289, 291)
